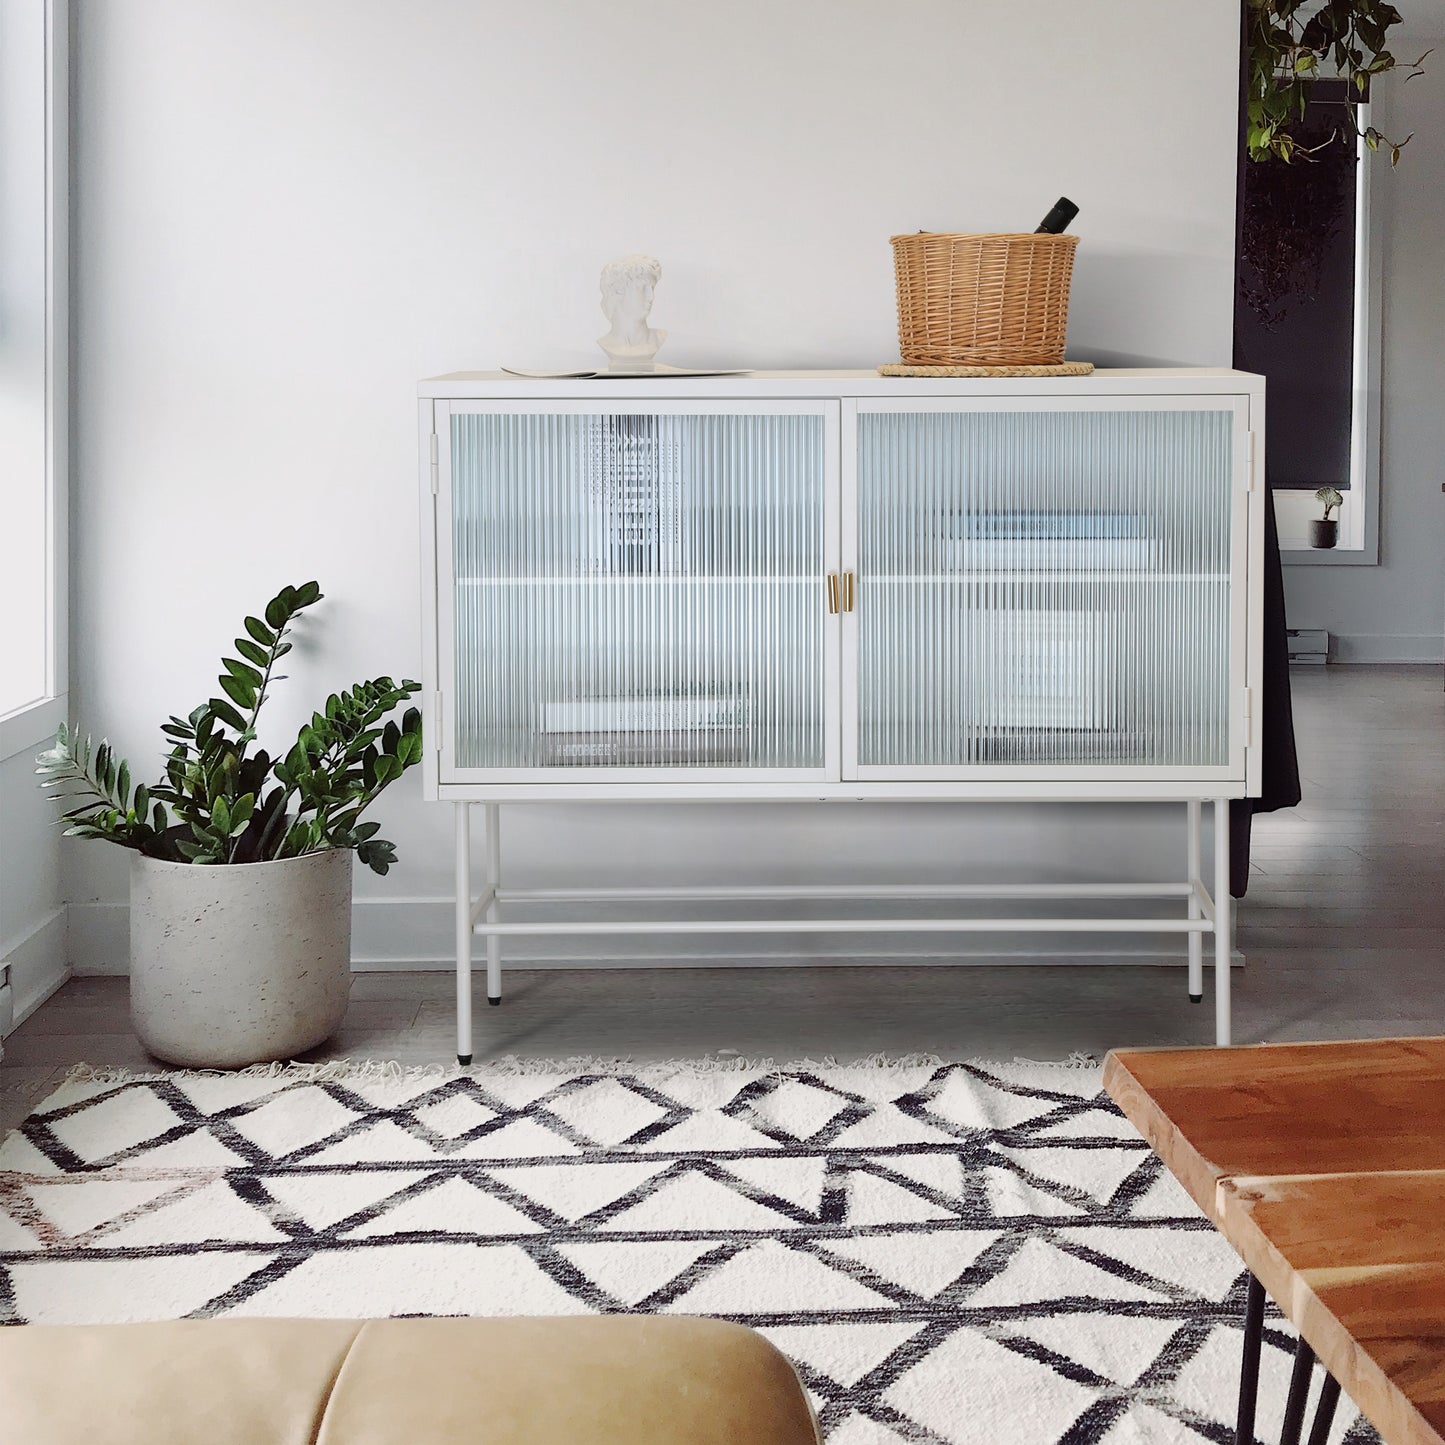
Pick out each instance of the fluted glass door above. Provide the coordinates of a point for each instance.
(1046, 590)
(639, 592)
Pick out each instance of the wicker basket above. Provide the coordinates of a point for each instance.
(998, 300)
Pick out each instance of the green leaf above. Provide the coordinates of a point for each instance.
(260, 632)
(278, 609)
(377, 854)
(228, 714)
(241, 813)
(253, 652)
(238, 691)
(221, 815)
(307, 594)
(142, 802)
(242, 671)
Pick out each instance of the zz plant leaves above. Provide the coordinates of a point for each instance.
(221, 800)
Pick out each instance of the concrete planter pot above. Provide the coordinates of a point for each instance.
(239, 965)
(1324, 534)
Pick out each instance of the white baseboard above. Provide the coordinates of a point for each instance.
(415, 934)
(39, 962)
(1387, 647)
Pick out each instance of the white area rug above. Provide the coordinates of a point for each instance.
(950, 1252)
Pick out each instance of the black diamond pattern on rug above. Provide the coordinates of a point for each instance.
(950, 1253)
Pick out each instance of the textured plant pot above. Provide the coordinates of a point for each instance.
(239, 965)
(1324, 534)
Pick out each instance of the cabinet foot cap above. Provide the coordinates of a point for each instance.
(495, 1002)
(1196, 998)
(464, 1058)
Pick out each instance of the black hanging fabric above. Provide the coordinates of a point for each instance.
(1279, 763)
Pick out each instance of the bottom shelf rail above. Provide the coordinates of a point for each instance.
(1208, 911)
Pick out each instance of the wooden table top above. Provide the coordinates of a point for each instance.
(1324, 1166)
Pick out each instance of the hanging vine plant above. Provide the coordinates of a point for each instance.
(1293, 213)
(1291, 43)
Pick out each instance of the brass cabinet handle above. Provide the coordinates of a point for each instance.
(833, 593)
(847, 592)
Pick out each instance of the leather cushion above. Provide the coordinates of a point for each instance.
(584, 1380)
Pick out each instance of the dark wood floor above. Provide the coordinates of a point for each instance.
(1344, 930)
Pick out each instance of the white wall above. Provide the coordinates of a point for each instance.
(1396, 612)
(286, 214)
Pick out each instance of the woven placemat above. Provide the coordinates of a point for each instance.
(1063, 368)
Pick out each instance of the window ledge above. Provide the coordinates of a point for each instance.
(1293, 513)
(1327, 557)
(30, 726)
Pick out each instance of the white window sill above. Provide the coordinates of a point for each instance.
(1293, 513)
(31, 726)
(1327, 556)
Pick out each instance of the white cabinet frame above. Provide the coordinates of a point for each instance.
(840, 397)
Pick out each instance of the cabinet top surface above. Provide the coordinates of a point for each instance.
(1144, 381)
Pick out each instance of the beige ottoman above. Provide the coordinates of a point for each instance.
(589, 1380)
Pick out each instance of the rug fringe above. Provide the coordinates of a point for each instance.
(390, 1071)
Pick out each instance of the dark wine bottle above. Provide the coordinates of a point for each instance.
(1057, 220)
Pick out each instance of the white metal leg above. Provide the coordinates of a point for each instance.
(1196, 940)
(464, 932)
(494, 884)
(1206, 913)
(1223, 915)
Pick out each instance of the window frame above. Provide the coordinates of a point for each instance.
(1359, 537)
(34, 723)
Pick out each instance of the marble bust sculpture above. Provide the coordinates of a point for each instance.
(627, 287)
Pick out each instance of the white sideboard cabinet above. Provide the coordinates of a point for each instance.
(836, 585)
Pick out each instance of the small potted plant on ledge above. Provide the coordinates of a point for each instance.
(1325, 531)
(240, 895)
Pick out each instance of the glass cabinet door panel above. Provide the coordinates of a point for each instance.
(1044, 588)
(638, 590)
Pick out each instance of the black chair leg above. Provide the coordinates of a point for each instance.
(1325, 1410)
(1249, 1364)
(1299, 1393)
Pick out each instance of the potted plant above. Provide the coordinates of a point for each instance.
(240, 917)
(1325, 531)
